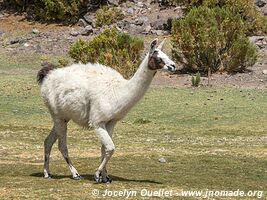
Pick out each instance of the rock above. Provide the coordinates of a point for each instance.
(259, 41)
(134, 29)
(114, 2)
(159, 24)
(87, 30)
(89, 19)
(141, 4)
(140, 21)
(2, 34)
(260, 3)
(143, 11)
(130, 11)
(162, 160)
(121, 24)
(35, 31)
(37, 48)
(264, 72)
(157, 32)
(82, 23)
(74, 33)
(147, 29)
(26, 44)
(14, 41)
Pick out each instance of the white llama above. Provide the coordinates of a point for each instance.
(95, 96)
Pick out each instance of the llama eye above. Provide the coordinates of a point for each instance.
(160, 60)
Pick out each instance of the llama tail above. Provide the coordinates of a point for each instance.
(47, 67)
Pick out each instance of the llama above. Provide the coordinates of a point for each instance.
(95, 96)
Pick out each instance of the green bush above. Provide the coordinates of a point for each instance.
(212, 38)
(67, 11)
(107, 15)
(253, 19)
(195, 80)
(113, 48)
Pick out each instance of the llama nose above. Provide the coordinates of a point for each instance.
(172, 68)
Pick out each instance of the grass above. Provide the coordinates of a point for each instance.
(211, 138)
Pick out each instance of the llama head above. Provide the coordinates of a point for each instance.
(159, 60)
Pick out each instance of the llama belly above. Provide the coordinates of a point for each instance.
(77, 112)
(66, 108)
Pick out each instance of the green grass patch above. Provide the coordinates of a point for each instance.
(211, 138)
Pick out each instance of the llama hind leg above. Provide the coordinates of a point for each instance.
(109, 150)
(48, 143)
(62, 146)
(109, 127)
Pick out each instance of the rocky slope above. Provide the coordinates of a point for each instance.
(143, 18)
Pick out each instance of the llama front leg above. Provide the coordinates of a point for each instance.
(48, 143)
(109, 148)
(62, 146)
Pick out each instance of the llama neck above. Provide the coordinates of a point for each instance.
(138, 84)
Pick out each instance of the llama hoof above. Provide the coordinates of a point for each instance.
(78, 177)
(100, 179)
(48, 176)
(108, 180)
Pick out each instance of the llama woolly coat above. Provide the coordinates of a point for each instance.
(72, 92)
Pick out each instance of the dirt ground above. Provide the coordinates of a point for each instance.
(55, 39)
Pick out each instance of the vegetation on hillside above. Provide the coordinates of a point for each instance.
(51, 10)
(107, 15)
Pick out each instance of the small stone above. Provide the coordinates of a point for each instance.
(130, 11)
(157, 32)
(140, 21)
(147, 29)
(143, 11)
(82, 23)
(14, 41)
(87, 30)
(260, 3)
(121, 24)
(114, 2)
(264, 72)
(162, 160)
(35, 31)
(89, 19)
(26, 44)
(140, 4)
(38, 48)
(2, 34)
(74, 33)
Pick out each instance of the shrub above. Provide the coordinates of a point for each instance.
(52, 10)
(254, 20)
(212, 38)
(195, 80)
(107, 15)
(113, 48)
(63, 62)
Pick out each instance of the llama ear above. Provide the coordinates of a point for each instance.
(153, 46)
(161, 44)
